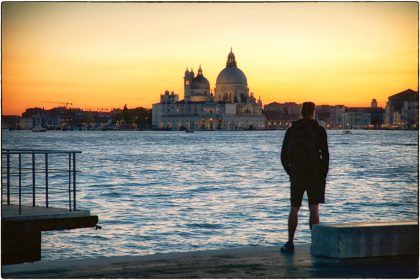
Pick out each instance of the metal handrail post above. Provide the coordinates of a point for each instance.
(16, 166)
(46, 180)
(8, 178)
(74, 181)
(33, 180)
(69, 181)
(20, 184)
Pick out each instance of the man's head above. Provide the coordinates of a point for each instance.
(308, 110)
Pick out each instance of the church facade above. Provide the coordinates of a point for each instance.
(230, 107)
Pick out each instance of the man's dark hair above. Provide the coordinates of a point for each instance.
(308, 108)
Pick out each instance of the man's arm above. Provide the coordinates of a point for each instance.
(325, 155)
(284, 153)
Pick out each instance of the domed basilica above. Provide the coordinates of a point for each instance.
(230, 107)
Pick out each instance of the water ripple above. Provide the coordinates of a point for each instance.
(157, 192)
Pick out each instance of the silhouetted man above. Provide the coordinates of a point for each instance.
(305, 158)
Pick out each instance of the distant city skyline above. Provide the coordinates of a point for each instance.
(122, 105)
(105, 55)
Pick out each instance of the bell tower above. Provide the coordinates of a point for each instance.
(188, 77)
(374, 104)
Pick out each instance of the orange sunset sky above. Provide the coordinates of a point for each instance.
(105, 55)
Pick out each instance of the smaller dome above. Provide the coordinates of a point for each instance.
(200, 82)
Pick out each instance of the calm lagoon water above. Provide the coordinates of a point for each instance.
(157, 192)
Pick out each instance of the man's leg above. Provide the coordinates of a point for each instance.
(316, 195)
(297, 190)
(313, 215)
(293, 222)
(296, 194)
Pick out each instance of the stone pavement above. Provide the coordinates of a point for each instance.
(248, 262)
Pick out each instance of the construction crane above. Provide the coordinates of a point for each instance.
(66, 104)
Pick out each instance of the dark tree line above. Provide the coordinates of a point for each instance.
(140, 116)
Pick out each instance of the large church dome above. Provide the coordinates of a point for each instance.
(231, 74)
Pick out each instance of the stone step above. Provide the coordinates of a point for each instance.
(372, 239)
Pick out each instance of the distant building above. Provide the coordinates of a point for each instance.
(323, 112)
(30, 112)
(26, 123)
(402, 110)
(336, 116)
(377, 114)
(281, 115)
(231, 107)
(10, 122)
(339, 116)
(356, 117)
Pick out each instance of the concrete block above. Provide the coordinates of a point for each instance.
(357, 240)
(20, 243)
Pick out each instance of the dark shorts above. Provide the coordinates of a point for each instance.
(314, 187)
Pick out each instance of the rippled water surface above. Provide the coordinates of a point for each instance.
(174, 191)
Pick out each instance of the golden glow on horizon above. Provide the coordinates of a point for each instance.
(105, 55)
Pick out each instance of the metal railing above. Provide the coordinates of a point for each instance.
(38, 176)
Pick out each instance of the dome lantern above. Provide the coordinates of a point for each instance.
(231, 62)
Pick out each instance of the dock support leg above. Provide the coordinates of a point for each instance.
(23, 244)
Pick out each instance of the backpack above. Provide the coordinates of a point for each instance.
(303, 151)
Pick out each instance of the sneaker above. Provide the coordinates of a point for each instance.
(288, 248)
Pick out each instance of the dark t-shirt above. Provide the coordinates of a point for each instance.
(321, 143)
